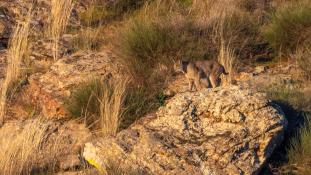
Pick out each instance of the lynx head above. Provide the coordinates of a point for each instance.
(181, 66)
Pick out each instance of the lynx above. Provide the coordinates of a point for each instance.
(203, 74)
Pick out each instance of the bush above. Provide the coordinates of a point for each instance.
(290, 26)
(88, 101)
(145, 45)
(165, 31)
(100, 12)
(85, 101)
(138, 102)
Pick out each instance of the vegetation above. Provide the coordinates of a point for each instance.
(289, 27)
(100, 12)
(60, 14)
(87, 39)
(111, 105)
(149, 36)
(17, 48)
(296, 104)
(163, 32)
(19, 153)
(84, 100)
(296, 98)
(299, 152)
(98, 100)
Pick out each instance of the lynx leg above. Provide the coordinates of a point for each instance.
(214, 81)
(197, 85)
(191, 84)
(205, 83)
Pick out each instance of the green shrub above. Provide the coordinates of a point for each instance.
(165, 31)
(85, 102)
(290, 26)
(146, 45)
(85, 99)
(139, 102)
(299, 152)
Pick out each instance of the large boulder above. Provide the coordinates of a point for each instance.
(220, 131)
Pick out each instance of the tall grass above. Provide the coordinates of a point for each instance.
(60, 15)
(299, 152)
(290, 26)
(18, 153)
(18, 46)
(227, 58)
(84, 100)
(111, 106)
(100, 103)
(87, 39)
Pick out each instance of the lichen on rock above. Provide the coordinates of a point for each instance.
(228, 130)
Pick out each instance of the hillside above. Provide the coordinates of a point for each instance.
(95, 87)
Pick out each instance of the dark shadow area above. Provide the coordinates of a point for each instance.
(279, 157)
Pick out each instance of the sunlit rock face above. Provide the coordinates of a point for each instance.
(228, 130)
(49, 90)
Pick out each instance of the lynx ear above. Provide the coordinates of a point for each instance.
(184, 65)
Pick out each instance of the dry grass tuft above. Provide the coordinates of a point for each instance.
(60, 14)
(18, 152)
(227, 58)
(88, 39)
(102, 103)
(299, 152)
(111, 105)
(18, 46)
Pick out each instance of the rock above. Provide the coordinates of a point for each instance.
(260, 70)
(68, 162)
(2, 64)
(219, 131)
(49, 90)
(82, 172)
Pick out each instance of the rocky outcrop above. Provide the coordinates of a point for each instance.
(48, 90)
(219, 131)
